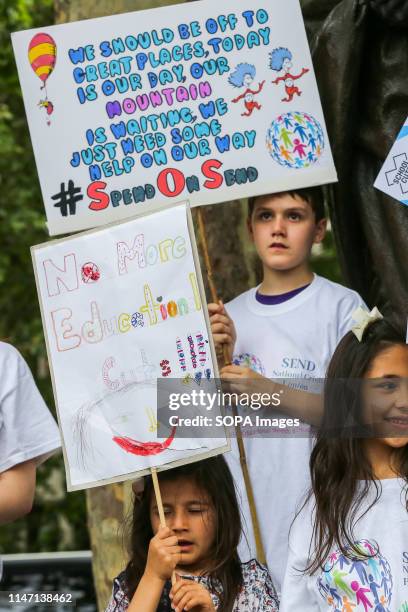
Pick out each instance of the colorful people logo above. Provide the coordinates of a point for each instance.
(249, 361)
(280, 60)
(295, 140)
(243, 75)
(42, 55)
(355, 582)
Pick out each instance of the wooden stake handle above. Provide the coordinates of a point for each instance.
(158, 497)
(260, 551)
(160, 508)
(207, 261)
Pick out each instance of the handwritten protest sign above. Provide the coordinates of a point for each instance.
(393, 176)
(121, 308)
(208, 102)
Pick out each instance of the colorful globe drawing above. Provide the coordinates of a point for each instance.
(356, 581)
(295, 140)
(249, 361)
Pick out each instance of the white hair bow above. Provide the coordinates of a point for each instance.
(363, 319)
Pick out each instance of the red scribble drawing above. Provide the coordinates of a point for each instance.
(90, 272)
(135, 447)
(165, 366)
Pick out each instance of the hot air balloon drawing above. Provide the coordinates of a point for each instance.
(42, 55)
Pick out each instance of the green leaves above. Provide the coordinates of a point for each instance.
(58, 520)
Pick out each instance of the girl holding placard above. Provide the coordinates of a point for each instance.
(198, 548)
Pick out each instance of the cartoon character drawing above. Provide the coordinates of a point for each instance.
(42, 55)
(281, 61)
(243, 75)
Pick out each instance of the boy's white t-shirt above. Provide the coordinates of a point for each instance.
(27, 428)
(294, 339)
(376, 584)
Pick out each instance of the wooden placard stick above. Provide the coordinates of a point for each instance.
(158, 497)
(260, 551)
(160, 509)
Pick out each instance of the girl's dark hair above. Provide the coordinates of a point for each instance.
(338, 460)
(213, 477)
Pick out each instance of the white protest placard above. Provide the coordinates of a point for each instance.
(206, 102)
(121, 308)
(393, 176)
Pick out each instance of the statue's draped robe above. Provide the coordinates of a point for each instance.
(360, 55)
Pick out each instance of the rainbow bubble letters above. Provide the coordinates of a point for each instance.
(122, 309)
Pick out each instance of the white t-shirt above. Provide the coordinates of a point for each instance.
(27, 428)
(376, 584)
(294, 339)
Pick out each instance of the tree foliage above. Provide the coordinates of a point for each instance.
(58, 520)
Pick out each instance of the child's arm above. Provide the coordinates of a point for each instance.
(17, 486)
(190, 595)
(295, 403)
(164, 554)
(222, 328)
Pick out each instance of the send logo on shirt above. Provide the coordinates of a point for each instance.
(295, 363)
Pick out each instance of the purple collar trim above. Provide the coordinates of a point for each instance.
(272, 300)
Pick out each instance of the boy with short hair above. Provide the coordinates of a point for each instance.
(286, 328)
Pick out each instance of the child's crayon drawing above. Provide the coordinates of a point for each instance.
(152, 419)
(114, 329)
